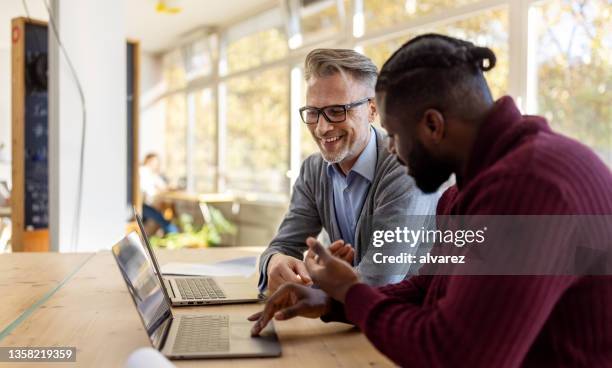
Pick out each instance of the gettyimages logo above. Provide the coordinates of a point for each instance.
(412, 238)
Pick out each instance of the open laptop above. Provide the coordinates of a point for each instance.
(185, 336)
(200, 290)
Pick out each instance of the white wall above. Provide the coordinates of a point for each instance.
(5, 114)
(152, 110)
(151, 76)
(93, 33)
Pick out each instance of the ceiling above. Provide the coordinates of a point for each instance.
(155, 31)
(158, 32)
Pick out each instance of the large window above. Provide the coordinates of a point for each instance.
(574, 69)
(175, 164)
(315, 20)
(199, 57)
(174, 74)
(258, 132)
(257, 41)
(489, 28)
(383, 14)
(205, 142)
(175, 131)
(231, 96)
(269, 45)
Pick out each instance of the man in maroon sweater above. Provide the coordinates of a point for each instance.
(436, 106)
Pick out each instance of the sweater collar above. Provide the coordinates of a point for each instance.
(497, 136)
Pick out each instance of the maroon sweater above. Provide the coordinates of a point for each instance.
(518, 167)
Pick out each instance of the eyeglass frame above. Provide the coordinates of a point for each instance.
(320, 111)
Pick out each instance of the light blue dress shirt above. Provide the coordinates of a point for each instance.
(351, 190)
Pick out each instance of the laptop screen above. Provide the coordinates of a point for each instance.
(150, 251)
(142, 283)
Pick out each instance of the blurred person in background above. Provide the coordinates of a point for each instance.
(153, 183)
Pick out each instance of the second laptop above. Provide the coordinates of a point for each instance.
(200, 290)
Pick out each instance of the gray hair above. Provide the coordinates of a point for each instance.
(327, 62)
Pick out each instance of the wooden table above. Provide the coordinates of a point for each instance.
(93, 311)
(26, 278)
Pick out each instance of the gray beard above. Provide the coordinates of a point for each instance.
(334, 159)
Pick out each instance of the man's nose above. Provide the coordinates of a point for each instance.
(323, 126)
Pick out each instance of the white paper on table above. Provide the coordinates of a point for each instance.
(243, 266)
(147, 358)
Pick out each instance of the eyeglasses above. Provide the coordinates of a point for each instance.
(332, 113)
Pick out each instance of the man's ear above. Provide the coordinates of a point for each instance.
(435, 125)
(372, 111)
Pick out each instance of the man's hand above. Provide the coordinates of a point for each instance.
(343, 251)
(283, 268)
(331, 274)
(289, 301)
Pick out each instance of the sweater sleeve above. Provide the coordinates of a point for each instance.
(301, 221)
(410, 290)
(498, 316)
(503, 314)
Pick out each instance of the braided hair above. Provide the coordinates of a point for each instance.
(436, 71)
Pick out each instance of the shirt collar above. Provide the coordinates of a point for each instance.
(366, 162)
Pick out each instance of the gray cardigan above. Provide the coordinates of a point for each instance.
(392, 197)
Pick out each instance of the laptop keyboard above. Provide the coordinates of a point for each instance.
(199, 288)
(202, 334)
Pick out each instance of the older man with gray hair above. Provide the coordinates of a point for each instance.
(351, 184)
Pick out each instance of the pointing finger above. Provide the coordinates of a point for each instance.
(291, 311)
(318, 249)
(255, 317)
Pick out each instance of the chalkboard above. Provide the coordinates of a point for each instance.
(36, 128)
